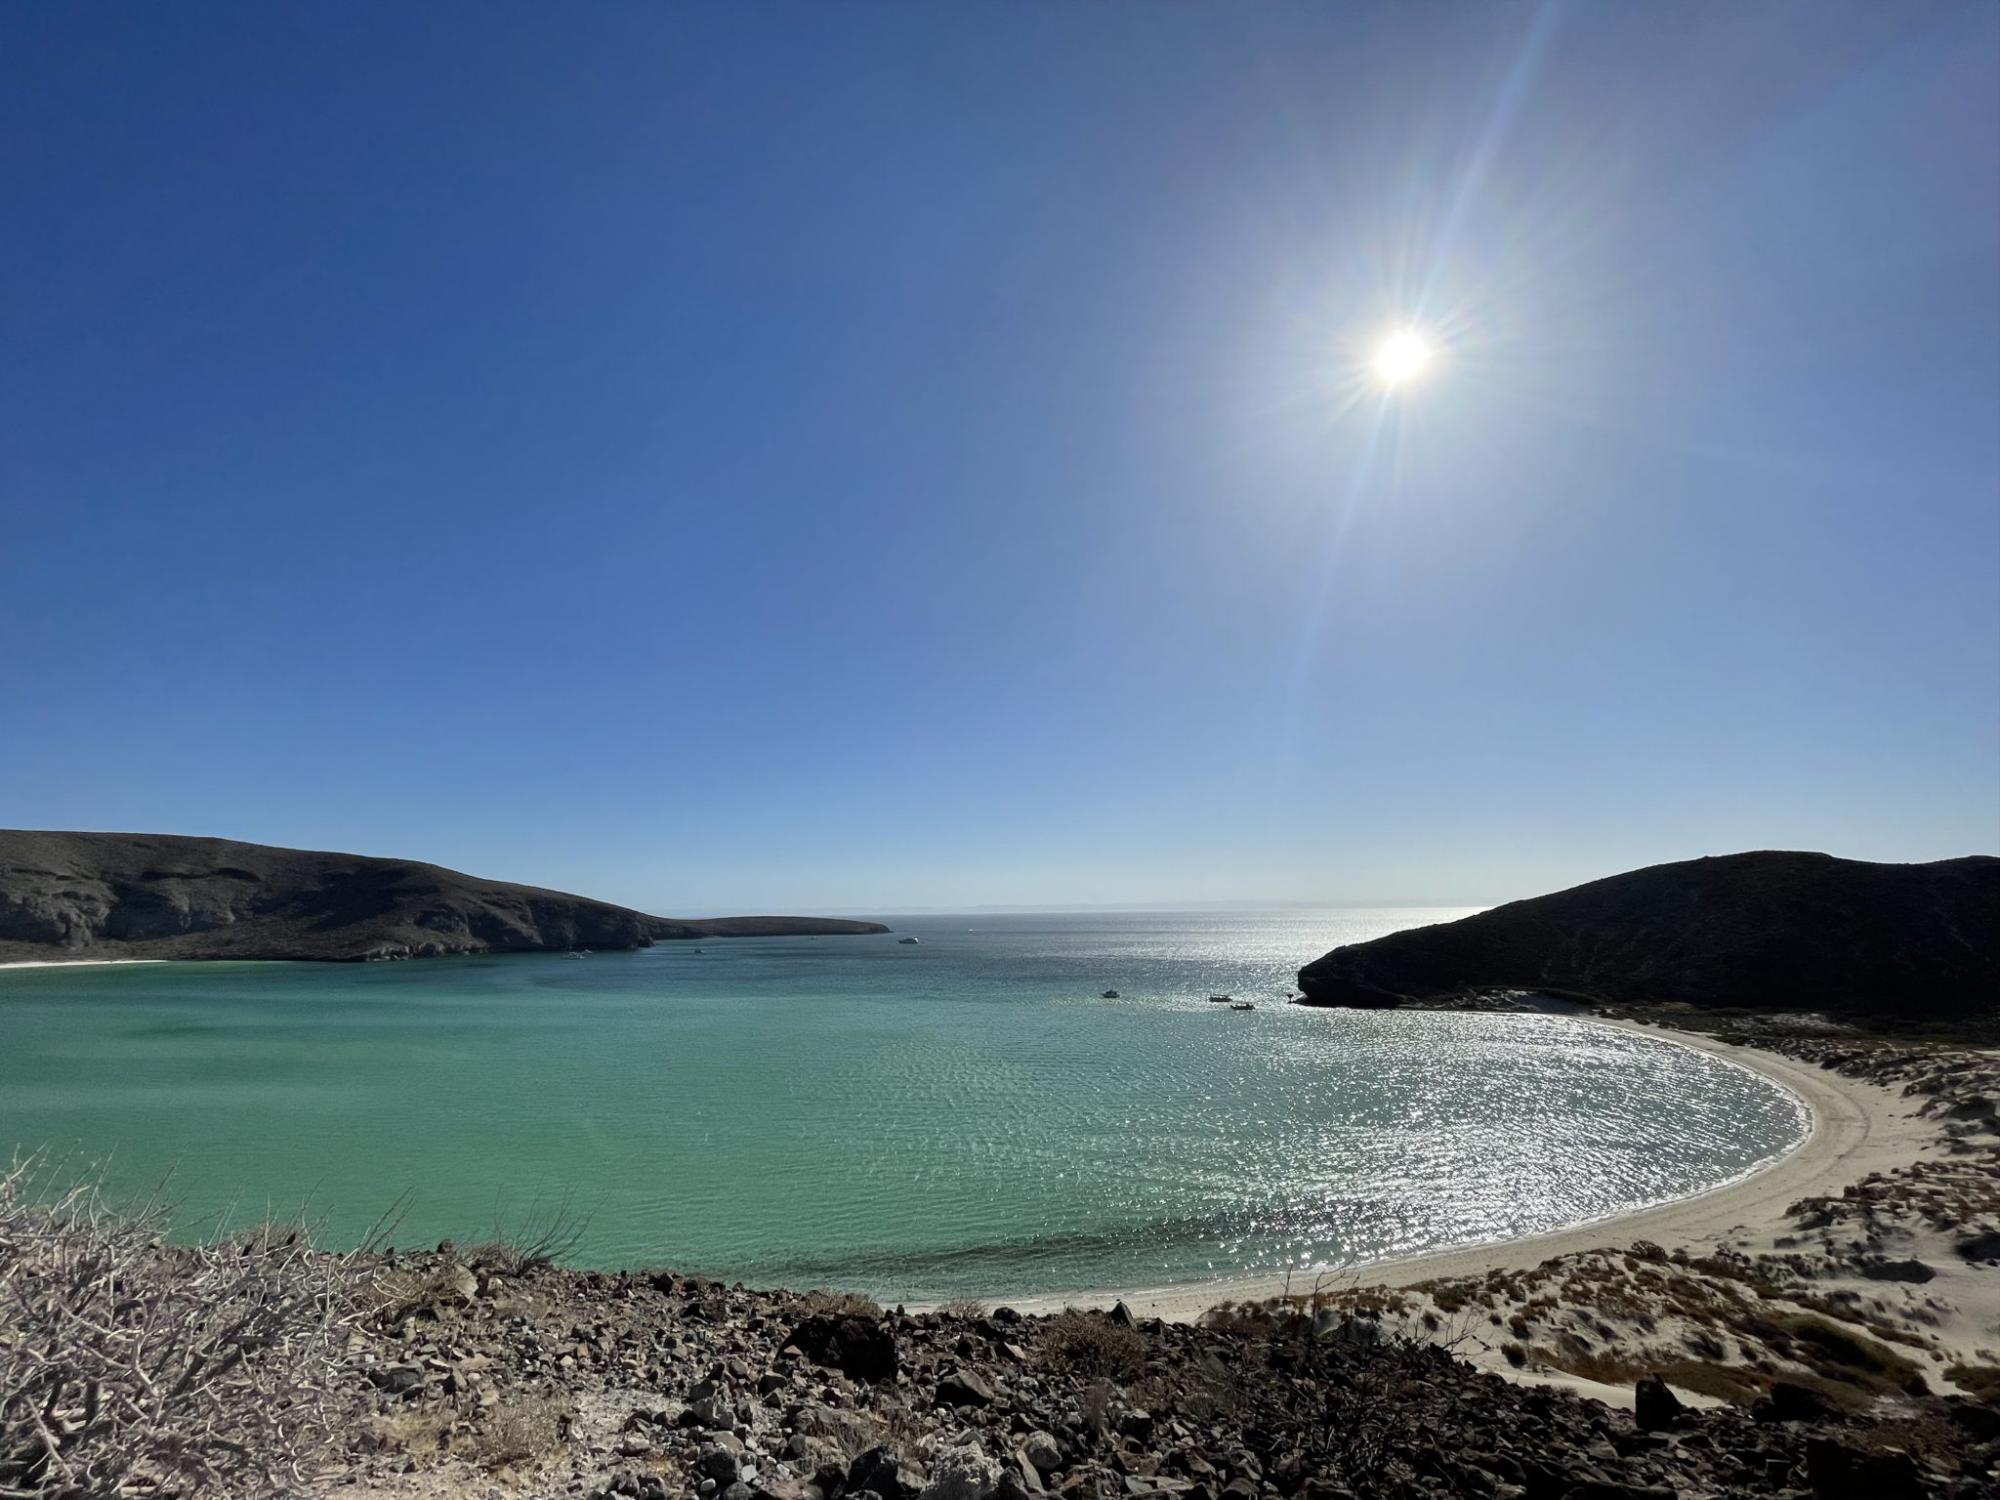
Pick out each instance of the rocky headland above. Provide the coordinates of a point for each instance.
(1763, 931)
(134, 896)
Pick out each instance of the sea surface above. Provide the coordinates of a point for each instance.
(961, 1117)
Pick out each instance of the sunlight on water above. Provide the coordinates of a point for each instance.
(963, 1116)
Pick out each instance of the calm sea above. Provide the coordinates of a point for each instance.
(960, 1117)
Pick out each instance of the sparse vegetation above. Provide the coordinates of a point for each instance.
(1981, 1380)
(1840, 1353)
(841, 1304)
(545, 1232)
(519, 1431)
(128, 1367)
(1089, 1343)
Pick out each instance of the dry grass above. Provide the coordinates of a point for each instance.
(1724, 1382)
(1088, 1343)
(1982, 1381)
(841, 1305)
(520, 1430)
(395, 1292)
(128, 1367)
(545, 1232)
(1838, 1353)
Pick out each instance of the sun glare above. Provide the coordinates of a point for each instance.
(1402, 357)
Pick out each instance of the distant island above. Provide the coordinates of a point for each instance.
(139, 895)
(1767, 930)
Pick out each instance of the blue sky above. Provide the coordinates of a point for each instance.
(849, 456)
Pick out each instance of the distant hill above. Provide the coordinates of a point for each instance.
(1765, 930)
(140, 895)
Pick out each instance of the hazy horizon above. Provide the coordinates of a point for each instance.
(869, 458)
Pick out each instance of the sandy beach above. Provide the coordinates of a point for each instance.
(1856, 1128)
(1944, 1317)
(74, 963)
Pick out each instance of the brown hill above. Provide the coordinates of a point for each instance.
(136, 895)
(1767, 930)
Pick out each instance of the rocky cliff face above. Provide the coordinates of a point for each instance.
(1766, 930)
(163, 896)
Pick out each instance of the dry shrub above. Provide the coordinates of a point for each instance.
(841, 1305)
(398, 1291)
(963, 1307)
(1254, 1319)
(129, 1367)
(545, 1232)
(1841, 1354)
(519, 1430)
(1086, 1343)
(1982, 1381)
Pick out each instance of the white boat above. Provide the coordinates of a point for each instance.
(906, 940)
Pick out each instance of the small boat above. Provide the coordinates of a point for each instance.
(906, 940)
(572, 954)
(1243, 1005)
(1221, 999)
(1109, 995)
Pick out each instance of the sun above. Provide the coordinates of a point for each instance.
(1402, 357)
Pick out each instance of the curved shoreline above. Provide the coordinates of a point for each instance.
(1854, 1128)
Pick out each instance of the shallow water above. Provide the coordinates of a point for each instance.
(961, 1117)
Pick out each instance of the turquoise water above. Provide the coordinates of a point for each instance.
(961, 1117)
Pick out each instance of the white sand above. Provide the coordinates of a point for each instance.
(1857, 1128)
(78, 963)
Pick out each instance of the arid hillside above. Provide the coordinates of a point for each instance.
(136, 895)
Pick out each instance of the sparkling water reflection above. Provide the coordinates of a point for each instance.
(962, 1116)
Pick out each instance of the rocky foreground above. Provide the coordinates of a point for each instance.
(547, 1382)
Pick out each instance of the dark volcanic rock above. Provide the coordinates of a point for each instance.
(878, 1472)
(854, 1345)
(1794, 1403)
(1768, 930)
(124, 895)
(1837, 1471)
(1980, 1247)
(1897, 1270)
(1244, 1411)
(1654, 1406)
(964, 1388)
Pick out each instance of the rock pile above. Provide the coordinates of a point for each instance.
(586, 1384)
